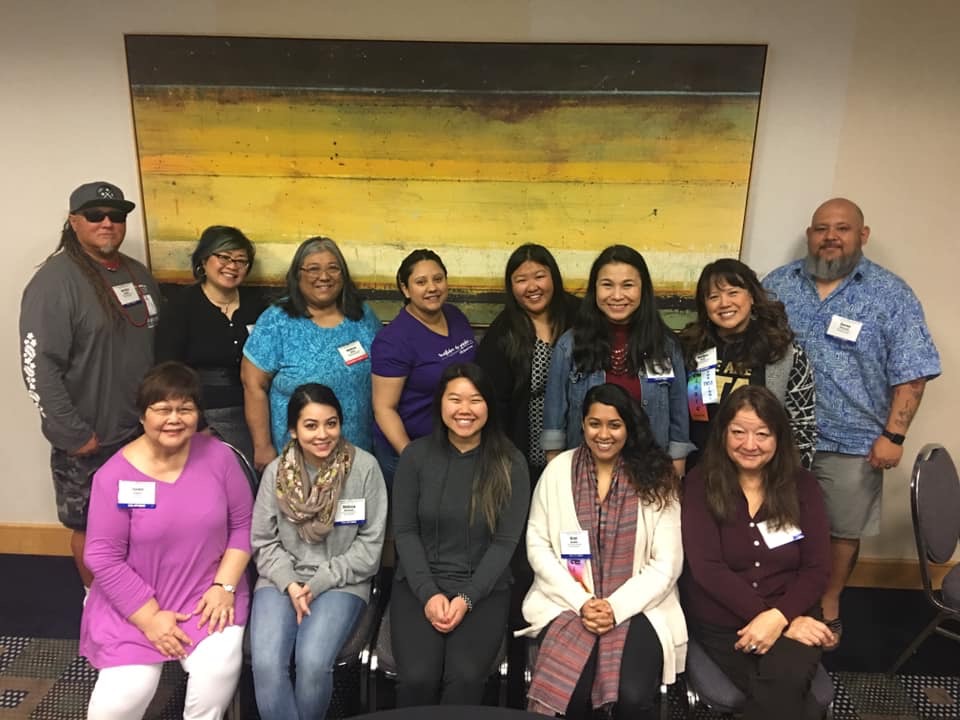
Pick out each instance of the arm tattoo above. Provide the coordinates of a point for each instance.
(905, 403)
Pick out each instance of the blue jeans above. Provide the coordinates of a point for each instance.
(275, 635)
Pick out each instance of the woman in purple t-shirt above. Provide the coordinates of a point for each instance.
(411, 353)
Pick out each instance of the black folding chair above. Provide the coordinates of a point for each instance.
(935, 506)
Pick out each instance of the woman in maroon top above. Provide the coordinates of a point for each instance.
(756, 541)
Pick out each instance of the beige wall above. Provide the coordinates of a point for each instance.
(856, 100)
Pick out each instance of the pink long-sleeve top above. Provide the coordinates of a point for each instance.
(731, 574)
(170, 552)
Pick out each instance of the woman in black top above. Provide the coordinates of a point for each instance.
(460, 498)
(741, 337)
(206, 325)
(515, 351)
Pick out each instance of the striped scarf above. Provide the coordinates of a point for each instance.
(567, 644)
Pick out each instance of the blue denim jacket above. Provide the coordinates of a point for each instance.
(665, 402)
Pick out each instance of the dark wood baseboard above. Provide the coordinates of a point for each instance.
(34, 539)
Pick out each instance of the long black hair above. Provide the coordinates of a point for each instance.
(519, 339)
(649, 469)
(721, 475)
(491, 483)
(71, 247)
(768, 336)
(648, 333)
(350, 302)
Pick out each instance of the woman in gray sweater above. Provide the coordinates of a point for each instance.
(318, 527)
(460, 498)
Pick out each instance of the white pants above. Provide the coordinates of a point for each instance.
(124, 692)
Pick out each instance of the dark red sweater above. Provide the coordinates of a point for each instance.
(730, 576)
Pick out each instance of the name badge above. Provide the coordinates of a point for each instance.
(783, 536)
(151, 305)
(708, 386)
(352, 353)
(706, 359)
(127, 294)
(136, 494)
(844, 329)
(658, 371)
(351, 512)
(575, 545)
(698, 411)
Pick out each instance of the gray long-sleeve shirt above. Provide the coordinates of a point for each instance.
(346, 559)
(438, 548)
(81, 367)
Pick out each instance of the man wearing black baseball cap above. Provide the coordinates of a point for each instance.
(86, 333)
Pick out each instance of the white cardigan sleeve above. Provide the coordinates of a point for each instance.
(657, 574)
(548, 517)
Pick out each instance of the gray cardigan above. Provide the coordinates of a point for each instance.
(345, 560)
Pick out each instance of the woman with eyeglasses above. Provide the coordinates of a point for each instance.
(320, 332)
(427, 336)
(756, 540)
(207, 324)
(168, 540)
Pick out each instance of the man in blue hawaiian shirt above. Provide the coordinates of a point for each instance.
(872, 355)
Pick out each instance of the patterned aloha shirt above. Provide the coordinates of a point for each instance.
(853, 379)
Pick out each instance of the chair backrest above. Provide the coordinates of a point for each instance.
(935, 502)
(253, 477)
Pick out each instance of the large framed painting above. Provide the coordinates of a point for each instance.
(469, 149)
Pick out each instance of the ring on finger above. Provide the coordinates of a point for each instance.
(753, 648)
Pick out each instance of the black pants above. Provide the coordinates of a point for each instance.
(641, 673)
(449, 669)
(777, 683)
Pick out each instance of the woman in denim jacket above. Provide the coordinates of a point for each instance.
(618, 337)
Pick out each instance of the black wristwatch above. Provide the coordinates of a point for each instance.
(895, 438)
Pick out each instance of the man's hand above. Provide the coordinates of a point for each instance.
(884, 454)
(88, 448)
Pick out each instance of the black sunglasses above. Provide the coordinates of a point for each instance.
(97, 216)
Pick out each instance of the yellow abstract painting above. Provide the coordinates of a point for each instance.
(468, 161)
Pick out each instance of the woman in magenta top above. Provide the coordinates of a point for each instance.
(410, 354)
(168, 541)
(757, 543)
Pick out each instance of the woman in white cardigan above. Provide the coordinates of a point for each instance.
(604, 543)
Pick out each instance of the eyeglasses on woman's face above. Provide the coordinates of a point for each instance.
(241, 261)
